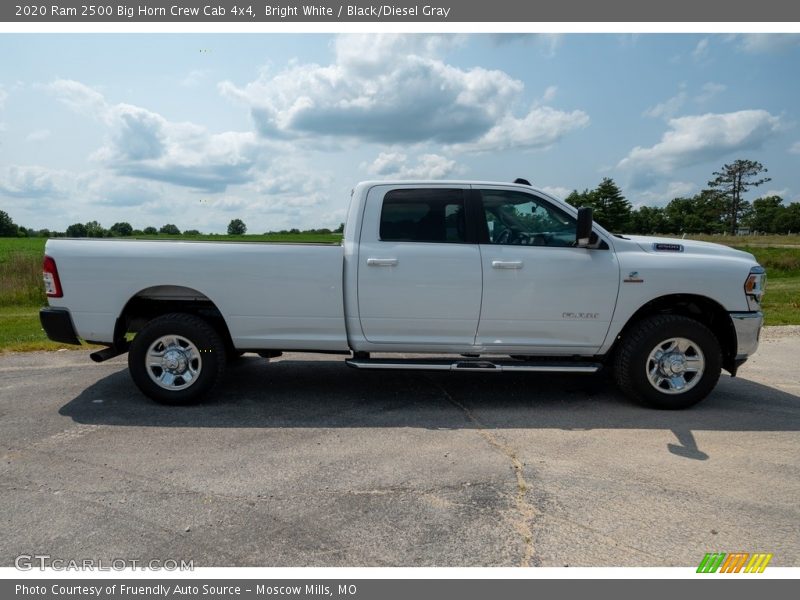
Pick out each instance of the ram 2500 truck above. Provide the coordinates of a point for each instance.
(467, 276)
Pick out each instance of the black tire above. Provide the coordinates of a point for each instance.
(652, 382)
(197, 349)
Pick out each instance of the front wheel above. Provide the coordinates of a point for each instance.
(176, 358)
(668, 362)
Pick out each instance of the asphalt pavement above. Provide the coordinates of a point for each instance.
(302, 461)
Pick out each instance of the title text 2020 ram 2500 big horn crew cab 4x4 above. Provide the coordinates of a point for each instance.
(509, 276)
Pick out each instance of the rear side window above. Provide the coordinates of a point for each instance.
(423, 215)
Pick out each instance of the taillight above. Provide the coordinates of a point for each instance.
(52, 284)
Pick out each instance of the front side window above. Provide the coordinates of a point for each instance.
(516, 218)
(423, 215)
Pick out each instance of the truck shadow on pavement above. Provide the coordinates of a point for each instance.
(328, 394)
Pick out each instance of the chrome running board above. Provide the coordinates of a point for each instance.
(475, 366)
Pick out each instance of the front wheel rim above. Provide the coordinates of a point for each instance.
(675, 366)
(173, 363)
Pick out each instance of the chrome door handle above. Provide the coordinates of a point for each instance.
(506, 264)
(382, 262)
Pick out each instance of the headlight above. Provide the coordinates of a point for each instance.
(754, 287)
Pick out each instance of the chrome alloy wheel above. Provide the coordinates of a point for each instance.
(675, 366)
(173, 362)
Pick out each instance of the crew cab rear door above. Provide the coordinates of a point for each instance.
(541, 294)
(419, 274)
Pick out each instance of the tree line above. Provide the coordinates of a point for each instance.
(719, 208)
(94, 229)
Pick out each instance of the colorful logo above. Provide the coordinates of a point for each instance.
(736, 562)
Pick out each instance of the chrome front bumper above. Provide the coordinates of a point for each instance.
(748, 328)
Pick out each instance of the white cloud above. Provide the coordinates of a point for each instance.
(145, 145)
(760, 43)
(701, 138)
(194, 77)
(3, 98)
(30, 181)
(542, 127)
(105, 189)
(38, 136)
(672, 106)
(79, 97)
(556, 190)
(669, 108)
(661, 197)
(393, 89)
(795, 148)
(709, 91)
(394, 165)
(701, 50)
(783, 193)
(549, 94)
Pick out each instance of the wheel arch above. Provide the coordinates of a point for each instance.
(694, 306)
(154, 301)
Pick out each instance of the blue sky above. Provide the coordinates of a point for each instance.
(197, 129)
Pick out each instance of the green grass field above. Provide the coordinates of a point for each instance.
(21, 291)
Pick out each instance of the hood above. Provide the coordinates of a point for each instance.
(664, 245)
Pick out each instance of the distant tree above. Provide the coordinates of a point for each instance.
(7, 226)
(170, 229)
(610, 207)
(23, 232)
(791, 218)
(45, 233)
(767, 215)
(191, 232)
(649, 219)
(95, 230)
(339, 229)
(150, 231)
(76, 230)
(122, 229)
(237, 227)
(137, 232)
(732, 182)
(702, 213)
(613, 209)
(294, 231)
(578, 199)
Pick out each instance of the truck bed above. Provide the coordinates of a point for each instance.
(278, 295)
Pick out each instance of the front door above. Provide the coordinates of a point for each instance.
(540, 291)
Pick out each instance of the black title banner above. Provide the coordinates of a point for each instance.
(444, 11)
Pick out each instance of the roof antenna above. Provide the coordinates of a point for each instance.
(522, 181)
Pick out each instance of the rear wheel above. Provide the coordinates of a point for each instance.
(668, 361)
(176, 358)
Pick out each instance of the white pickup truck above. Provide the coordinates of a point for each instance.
(467, 276)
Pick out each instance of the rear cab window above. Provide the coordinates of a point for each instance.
(423, 215)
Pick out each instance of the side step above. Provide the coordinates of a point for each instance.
(481, 366)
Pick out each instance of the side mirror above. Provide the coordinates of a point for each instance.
(583, 233)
